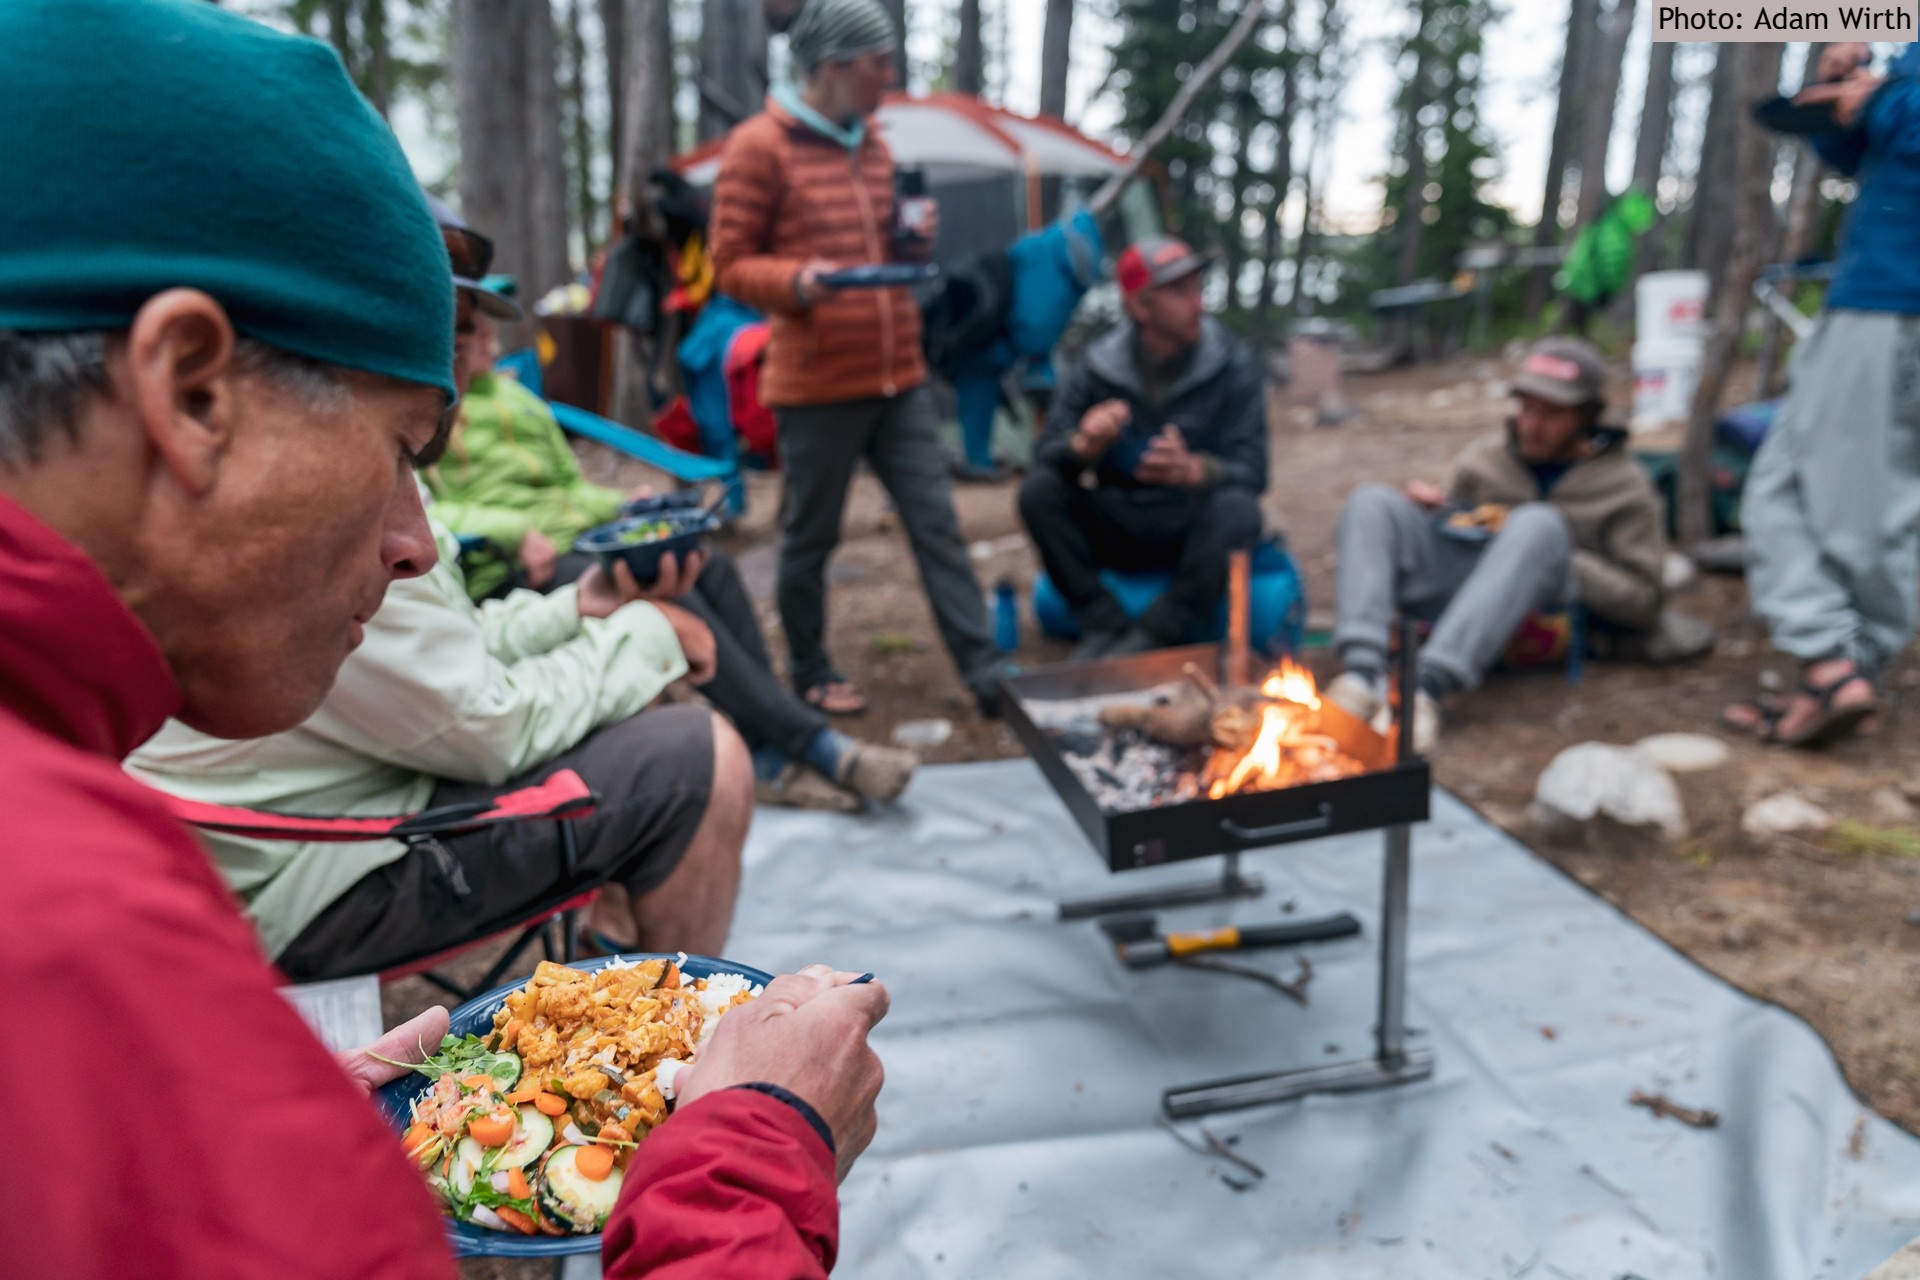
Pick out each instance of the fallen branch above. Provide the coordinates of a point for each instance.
(1198, 79)
(1667, 1109)
(1295, 990)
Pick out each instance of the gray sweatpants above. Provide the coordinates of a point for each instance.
(819, 448)
(1393, 559)
(1833, 497)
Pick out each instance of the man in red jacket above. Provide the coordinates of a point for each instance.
(225, 339)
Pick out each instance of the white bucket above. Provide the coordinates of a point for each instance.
(1670, 306)
(1664, 377)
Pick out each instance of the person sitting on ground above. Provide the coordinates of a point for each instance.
(1153, 457)
(806, 188)
(447, 703)
(1550, 512)
(509, 475)
(209, 417)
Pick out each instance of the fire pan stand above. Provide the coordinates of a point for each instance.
(1390, 796)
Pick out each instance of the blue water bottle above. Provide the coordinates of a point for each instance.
(1006, 616)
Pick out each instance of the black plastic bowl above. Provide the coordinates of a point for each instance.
(690, 527)
(677, 500)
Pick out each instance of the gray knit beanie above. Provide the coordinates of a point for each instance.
(834, 30)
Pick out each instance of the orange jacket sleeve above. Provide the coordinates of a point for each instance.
(746, 203)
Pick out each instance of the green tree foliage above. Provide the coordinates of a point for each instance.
(1221, 162)
(1443, 154)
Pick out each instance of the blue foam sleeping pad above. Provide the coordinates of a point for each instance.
(1279, 602)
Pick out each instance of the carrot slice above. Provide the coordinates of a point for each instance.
(517, 1185)
(479, 1080)
(511, 1032)
(550, 1104)
(617, 1133)
(527, 1092)
(594, 1163)
(517, 1220)
(492, 1130)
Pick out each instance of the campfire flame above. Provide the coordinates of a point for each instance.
(1288, 749)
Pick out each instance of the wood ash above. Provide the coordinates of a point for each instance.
(1122, 770)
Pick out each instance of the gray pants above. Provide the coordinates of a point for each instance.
(1832, 501)
(1393, 559)
(819, 447)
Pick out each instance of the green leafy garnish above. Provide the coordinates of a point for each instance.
(465, 1056)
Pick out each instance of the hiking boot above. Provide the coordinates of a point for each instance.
(799, 787)
(878, 773)
(1357, 695)
(1426, 722)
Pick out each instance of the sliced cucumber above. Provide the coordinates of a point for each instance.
(465, 1163)
(531, 1136)
(573, 1201)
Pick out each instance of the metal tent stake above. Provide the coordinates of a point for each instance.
(1392, 1063)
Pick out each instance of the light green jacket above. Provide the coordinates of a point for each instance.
(508, 469)
(440, 689)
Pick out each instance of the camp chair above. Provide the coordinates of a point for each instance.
(562, 797)
(687, 468)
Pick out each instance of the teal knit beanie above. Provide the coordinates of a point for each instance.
(151, 144)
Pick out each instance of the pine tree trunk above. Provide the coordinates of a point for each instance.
(1279, 182)
(1419, 89)
(1566, 132)
(1326, 101)
(580, 163)
(1794, 241)
(1610, 54)
(733, 64)
(373, 33)
(897, 10)
(968, 74)
(613, 47)
(1754, 74)
(488, 67)
(546, 173)
(1056, 58)
(1650, 148)
(1709, 238)
(340, 35)
(648, 134)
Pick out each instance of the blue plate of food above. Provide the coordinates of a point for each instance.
(525, 1119)
(1470, 524)
(642, 538)
(879, 275)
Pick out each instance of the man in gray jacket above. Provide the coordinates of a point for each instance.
(1551, 511)
(1154, 457)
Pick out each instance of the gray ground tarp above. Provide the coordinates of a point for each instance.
(1017, 1130)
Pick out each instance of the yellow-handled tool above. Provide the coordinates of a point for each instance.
(1145, 952)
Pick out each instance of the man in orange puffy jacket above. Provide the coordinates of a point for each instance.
(806, 188)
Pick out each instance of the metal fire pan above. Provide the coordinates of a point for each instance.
(1390, 793)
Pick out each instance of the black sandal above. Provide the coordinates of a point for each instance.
(1829, 725)
(839, 691)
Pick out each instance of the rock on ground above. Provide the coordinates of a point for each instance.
(1784, 814)
(1684, 752)
(1597, 780)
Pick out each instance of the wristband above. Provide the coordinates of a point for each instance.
(799, 1104)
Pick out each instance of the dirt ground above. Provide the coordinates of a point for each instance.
(1832, 936)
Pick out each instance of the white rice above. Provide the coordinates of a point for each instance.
(717, 997)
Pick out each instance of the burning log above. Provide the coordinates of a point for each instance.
(1202, 715)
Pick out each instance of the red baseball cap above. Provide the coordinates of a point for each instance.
(1154, 261)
